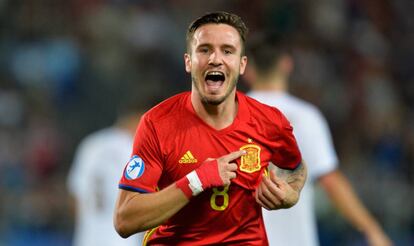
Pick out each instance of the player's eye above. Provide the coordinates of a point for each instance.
(203, 50)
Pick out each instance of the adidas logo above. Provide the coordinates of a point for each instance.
(188, 158)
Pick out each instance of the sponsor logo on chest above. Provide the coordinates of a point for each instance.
(187, 158)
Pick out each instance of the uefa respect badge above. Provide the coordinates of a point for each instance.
(135, 168)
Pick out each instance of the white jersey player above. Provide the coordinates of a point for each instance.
(296, 226)
(268, 73)
(93, 181)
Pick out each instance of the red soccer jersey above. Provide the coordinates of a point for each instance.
(171, 141)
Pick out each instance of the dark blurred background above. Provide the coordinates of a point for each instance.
(66, 66)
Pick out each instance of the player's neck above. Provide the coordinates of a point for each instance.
(275, 84)
(217, 116)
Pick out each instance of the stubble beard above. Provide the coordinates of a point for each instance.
(210, 101)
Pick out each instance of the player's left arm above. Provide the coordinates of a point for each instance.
(281, 190)
(295, 178)
(276, 192)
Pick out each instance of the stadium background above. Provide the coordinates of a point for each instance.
(66, 66)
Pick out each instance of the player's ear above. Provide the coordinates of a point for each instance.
(243, 64)
(285, 64)
(187, 61)
(250, 74)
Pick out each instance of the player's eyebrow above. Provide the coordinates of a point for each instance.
(229, 46)
(204, 45)
(224, 46)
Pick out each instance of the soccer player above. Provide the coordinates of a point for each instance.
(268, 74)
(92, 180)
(197, 171)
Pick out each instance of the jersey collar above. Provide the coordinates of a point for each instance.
(243, 113)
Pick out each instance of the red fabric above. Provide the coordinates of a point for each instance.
(208, 174)
(173, 141)
(183, 185)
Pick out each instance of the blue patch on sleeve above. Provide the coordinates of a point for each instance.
(135, 168)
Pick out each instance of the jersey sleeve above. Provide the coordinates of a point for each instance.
(142, 172)
(287, 154)
(315, 142)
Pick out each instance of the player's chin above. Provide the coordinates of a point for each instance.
(214, 100)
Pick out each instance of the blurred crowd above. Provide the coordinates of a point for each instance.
(66, 66)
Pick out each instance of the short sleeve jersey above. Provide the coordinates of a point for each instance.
(171, 141)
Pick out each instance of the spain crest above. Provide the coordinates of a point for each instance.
(250, 162)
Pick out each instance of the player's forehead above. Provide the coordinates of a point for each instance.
(216, 34)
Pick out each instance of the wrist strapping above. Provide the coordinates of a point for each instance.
(190, 184)
(209, 174)
(204, 177)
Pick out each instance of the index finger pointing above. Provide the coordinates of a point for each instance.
(233, 155)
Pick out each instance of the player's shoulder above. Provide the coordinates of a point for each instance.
(289, 104)
(100, 137)
(170, 107)
(97, 136)
(258, 108)
(304, 108)
(299, 103)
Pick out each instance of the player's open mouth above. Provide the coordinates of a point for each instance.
(214, 79)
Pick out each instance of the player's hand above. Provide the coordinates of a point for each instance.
(377, 237)
(275, 193)
(212, 173)
(226, 167)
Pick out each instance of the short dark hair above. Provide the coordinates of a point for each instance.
(132, 105)
(265, 49)
(220, 17)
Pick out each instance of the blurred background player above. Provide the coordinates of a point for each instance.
(94, 175)
(268, 72)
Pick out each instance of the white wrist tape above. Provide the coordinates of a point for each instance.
(194, 183)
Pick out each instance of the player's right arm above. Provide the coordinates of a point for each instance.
(135, 212)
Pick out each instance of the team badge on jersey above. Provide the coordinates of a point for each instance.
(135, 168)
(250, 162)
